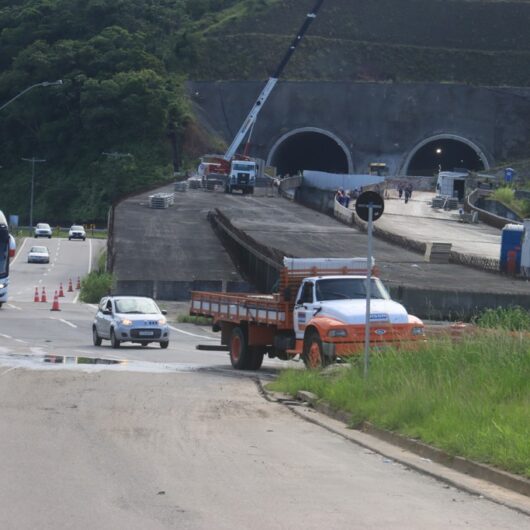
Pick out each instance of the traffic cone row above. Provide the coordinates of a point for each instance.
(58, 294)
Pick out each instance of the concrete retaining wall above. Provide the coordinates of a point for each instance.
(176, 290)
(435, 304)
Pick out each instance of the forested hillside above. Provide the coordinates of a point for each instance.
(124, 64)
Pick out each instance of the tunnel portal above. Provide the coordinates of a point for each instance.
(309, 150)
(444, 154)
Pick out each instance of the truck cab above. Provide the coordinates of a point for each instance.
(242, 176)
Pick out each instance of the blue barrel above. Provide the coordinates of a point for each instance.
(511, 242)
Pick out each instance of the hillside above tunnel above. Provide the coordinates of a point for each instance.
(478, 42)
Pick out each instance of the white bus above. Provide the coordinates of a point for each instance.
(7, 251)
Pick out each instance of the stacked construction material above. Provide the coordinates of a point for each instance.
(161, 200)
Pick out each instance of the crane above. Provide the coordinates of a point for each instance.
(239, 170)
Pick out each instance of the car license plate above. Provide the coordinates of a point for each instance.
(146, 333)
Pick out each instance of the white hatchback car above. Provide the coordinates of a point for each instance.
(76, 232)
(43, 230)
(38, 255)
(134, 319)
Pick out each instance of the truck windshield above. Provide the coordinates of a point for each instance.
(244, 167)
(348, 289)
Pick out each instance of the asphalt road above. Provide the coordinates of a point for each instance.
(145, 438)
(186, 247)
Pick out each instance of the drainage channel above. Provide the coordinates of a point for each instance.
(72, 362)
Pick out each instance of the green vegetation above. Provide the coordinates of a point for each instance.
(192, 319)
(125, 63)
(510, 319)
(506, 195)
(97, 283)
(470, 399)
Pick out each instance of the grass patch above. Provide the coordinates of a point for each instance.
(470, 399)
(512, 319)
(97, 283)
(193, 319)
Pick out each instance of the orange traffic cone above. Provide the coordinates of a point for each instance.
(43, 295)
(36, 297)
(70, 288)
(55, 305)
(61, 292)
(78, 286)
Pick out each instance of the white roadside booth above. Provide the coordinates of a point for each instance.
(451, 184)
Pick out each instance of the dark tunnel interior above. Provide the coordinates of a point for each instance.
(309, 150)
(444, 155)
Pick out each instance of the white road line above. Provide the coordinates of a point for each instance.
(5, 336)
(64, 321)
(21, 341)
(192, 334)
(8, 370)
(19, 251)
(89, 255)
(14, 306)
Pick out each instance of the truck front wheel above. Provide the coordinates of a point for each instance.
(313, 354)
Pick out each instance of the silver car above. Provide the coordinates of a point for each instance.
(43, 230)
(134, 319)
(38, 255)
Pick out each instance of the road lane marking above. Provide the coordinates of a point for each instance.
(89, 255)
(21, 341)
(192, 334)
(8, 370)
(19, 251)
(5, 336)
(14, 306)
(64, 321)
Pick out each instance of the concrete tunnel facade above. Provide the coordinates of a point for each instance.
(343, 127)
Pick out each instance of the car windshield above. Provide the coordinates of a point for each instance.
(44, 226)
(76, 227)
(348, 289)
(39, 250)
(136, 305)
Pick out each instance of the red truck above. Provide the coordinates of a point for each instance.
(319, 313)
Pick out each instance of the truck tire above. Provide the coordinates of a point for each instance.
(256, 357)
(313, 354)
(240, 353)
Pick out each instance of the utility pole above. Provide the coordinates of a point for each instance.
(33, 162)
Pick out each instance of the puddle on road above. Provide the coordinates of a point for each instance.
(89, 364)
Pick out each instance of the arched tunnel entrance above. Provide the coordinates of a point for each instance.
(309, 149)
(445, 154)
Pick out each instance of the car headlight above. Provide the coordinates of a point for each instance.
(162, 322)
(126, 322)
(337, 333)
(2, 285)
(418, 331)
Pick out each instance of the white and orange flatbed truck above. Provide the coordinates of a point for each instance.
(319, 314)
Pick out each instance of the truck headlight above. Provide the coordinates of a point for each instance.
(418, 331)
(337, 333)
(126, 322)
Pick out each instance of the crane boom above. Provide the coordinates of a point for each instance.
(265, 93)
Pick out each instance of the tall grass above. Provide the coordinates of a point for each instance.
(470, 399)
(512, 318)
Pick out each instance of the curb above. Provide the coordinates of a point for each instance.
(476, 479)
(481, 471)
